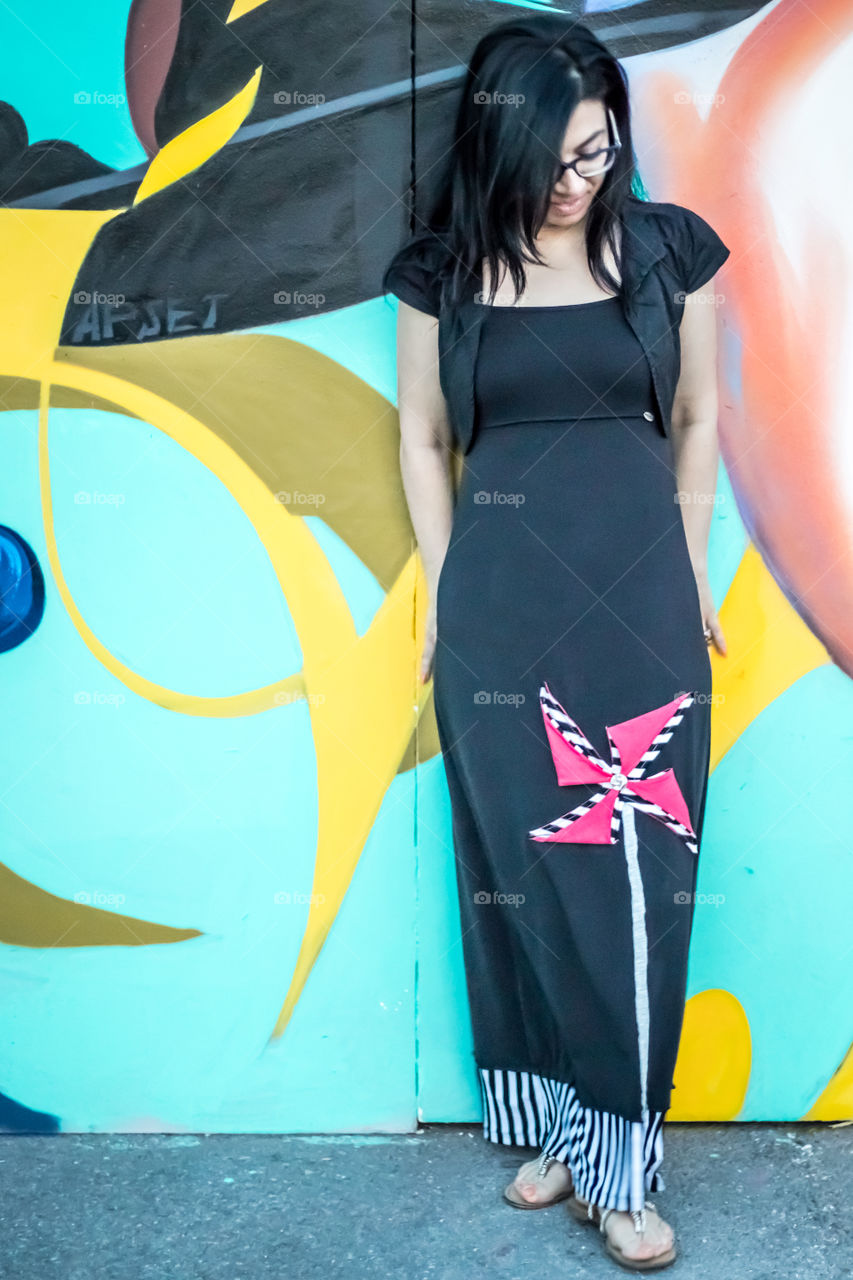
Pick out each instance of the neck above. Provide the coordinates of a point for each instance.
(560, 241)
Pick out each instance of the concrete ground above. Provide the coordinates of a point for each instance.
(747, 1202)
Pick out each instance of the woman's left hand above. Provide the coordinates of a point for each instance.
(710, 621)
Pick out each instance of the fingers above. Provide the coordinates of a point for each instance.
(429, 647)
(712, 624)
(426, 662)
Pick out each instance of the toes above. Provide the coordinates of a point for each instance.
(658, 1239)
(642, 1249)
(542, 1188)
(642, 1252)
(652, 1248)
(526, 1190)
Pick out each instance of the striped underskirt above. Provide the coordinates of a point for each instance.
(613, 1162)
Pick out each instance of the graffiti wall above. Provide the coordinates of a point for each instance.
(227, 889)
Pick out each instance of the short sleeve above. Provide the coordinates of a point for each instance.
(411, 275)
(701, 251)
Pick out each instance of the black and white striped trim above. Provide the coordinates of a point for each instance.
(612, 1160)
(664, 736)
(655, 811)
(569, 728)
(550, 828)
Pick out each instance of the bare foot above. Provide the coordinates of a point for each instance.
(658, 1237)
(537, 1188)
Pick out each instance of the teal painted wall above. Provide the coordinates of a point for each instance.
(210, 824)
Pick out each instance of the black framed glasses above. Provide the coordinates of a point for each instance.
(596, 161)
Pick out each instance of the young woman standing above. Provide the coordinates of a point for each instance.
(574, 365)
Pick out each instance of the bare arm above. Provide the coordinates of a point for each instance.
(695, 440)
(425, 450)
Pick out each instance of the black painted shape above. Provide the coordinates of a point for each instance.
(15, 1118)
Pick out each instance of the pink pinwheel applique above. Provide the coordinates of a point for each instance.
(633, 745)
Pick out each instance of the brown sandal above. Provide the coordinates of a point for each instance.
(542, 1166)
(584, 1212)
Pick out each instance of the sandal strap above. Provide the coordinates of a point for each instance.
(638, 1216)
(545, 1163)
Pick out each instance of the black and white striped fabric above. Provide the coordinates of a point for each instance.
(607, 1155)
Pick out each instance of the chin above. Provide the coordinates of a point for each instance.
(560, 219)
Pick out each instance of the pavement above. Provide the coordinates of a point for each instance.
(746, 1201)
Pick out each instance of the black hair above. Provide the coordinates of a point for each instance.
(500, 171)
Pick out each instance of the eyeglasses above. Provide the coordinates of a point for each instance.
(596, 161)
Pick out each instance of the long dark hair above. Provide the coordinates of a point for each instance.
(498, 178)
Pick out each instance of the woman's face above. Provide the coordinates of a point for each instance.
(572, 196)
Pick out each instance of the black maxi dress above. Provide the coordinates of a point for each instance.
(572, 694)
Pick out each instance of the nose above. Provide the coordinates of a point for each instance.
(570, 186)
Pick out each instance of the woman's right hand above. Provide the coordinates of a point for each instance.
(426, 446)
(428, 651)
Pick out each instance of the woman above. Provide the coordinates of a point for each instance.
(575, 369)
